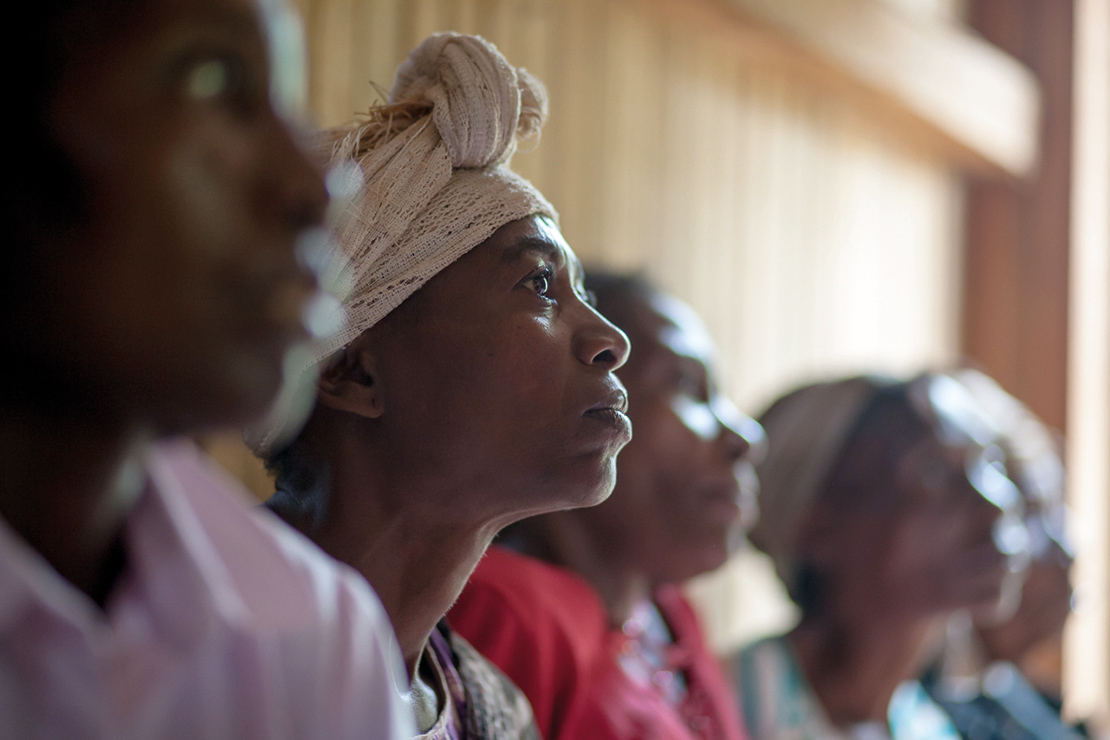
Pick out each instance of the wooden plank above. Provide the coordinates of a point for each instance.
(925, 78)
(1017, 238)
(1087, 656)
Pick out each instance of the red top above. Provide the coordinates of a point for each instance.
(548, 630)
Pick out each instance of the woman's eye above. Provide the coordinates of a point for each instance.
(541, 283)
(693, 387)
(208, 79)
(224, 81)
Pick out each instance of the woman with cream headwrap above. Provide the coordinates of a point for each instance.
(473, 385)
(884, 509)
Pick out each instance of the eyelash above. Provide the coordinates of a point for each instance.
(546, 274)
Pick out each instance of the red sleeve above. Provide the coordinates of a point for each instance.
(537, 624)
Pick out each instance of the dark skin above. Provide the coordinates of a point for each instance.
(167, 303)
(1046, 602)
(1044, 609)
(893, 563)
(486, 397)
(679, 506)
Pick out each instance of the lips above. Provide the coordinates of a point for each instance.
(615, 400)
(724, 501)
(612, 413)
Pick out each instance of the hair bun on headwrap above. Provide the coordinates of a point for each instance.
(480, 103)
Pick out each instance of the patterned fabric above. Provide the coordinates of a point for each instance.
(451, 724)
(480, 702)
(495, 707)
(779, 705)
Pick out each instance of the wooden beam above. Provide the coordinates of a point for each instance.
(924, 78)
(1017, 235)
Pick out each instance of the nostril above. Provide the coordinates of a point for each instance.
(740, 447)
(605, 357)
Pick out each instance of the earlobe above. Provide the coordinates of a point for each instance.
(351, 383)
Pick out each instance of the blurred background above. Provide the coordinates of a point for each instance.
(837, 186)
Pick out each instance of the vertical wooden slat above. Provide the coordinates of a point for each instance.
(1087, 658)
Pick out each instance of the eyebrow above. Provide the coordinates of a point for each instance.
(527, 244)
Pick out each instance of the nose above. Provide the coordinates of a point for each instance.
(999, 510)
(599, 343)
(741, 436)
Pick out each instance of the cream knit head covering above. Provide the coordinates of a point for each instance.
(806, 433)
(433, 180)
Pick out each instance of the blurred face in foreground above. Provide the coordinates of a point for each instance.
(685, 486)
(170, 293)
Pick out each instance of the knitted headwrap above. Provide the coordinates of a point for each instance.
(435, 182)
(806, 433)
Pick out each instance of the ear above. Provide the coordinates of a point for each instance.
(351, 382)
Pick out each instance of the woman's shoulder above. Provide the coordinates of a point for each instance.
(777, 701)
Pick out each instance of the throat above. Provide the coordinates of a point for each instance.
(67, 490)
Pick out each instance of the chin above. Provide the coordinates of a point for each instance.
(697, 563)
(581, 487)
(715, 558)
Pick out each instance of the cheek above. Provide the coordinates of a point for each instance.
(917, 548)
(490, 385)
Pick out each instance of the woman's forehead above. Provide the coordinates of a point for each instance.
(537, 235)
(958, 419)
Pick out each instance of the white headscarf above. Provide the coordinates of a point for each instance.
(432, 190)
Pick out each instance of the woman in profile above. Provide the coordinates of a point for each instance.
(473, 385)
(884, 508)
(981, 679)
(582, 608)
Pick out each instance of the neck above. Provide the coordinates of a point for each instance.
(855, 668)
(66, 486)
(562, 539)
(415, 548)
